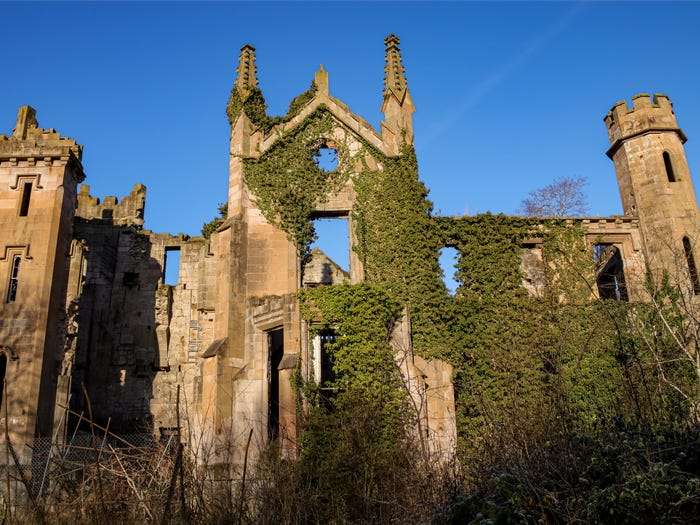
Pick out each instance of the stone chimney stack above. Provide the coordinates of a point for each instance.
(398, 108)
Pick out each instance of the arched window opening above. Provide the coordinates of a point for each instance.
(610, 272)
(14, 279)
(692, 269)
(669, 167)
(3, 370)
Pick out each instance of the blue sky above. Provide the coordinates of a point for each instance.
(509, 96)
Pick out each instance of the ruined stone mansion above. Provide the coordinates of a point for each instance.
(86, 315)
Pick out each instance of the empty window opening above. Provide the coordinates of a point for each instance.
(327, 378)
(171, 266)
(83, 273)
(669, 167)
(324, 373)
(26, 197)
(333, 239)
(692, 269)
(449, 257)
(3, 370)
(14, 279)
(275, 351)
(108, 214)
(610, 274)
(326, 158)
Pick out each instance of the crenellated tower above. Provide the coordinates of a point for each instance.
(398, 108)
(656, 185)
(39, 174)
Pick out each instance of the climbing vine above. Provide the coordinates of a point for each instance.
(356, 431)
(362, 316)
(545, 362)
(515, 352)
(287, 182)
(255, 107)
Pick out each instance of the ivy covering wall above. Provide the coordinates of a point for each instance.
(562, 357)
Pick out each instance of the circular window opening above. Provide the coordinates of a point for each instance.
(326, 158)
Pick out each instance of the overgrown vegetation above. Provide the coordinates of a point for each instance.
(551, 389)
(561, 413)
(287, 182)
(210, 227)
(569, 408)
(255, 108)
(367, 391)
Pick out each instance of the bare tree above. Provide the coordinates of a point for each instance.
(563, 197)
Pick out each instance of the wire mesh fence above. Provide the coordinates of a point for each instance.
(128, 474)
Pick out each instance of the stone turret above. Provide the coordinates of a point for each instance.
(398, 108)
(646, 115)
(655, 183)
(39, 173)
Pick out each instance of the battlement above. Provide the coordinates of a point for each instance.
(647, 114)
(127, 212)
(28, 140)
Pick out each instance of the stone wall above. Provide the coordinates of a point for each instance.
(138, 337)
(130, 210)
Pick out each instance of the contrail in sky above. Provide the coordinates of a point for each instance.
(482, 88)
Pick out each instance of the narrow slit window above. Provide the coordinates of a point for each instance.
(275, 352)
(692, 269)
(14, 279)
(3, 371)
(171, 266)
(83, 274)
(669, 167)
(26, 197)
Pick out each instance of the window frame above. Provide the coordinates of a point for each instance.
(668, 165)
(13, 279)
(692, 267)
(25, 198)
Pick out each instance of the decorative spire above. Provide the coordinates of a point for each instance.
(394, 78)
(246, 79)
(398, 108)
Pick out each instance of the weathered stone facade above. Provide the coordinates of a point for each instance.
(88, 322)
